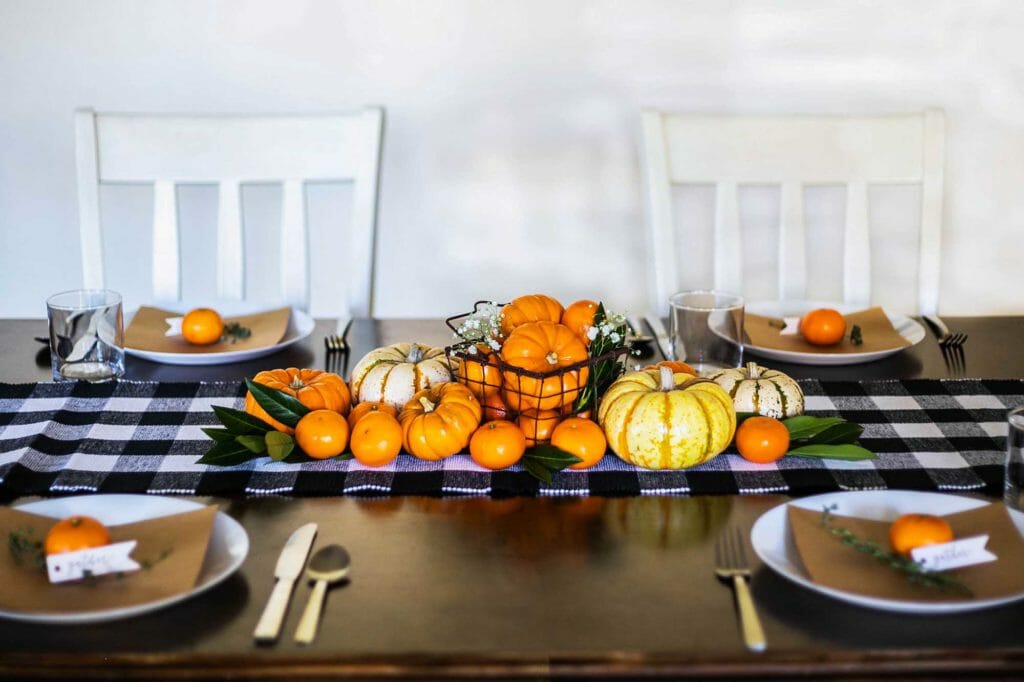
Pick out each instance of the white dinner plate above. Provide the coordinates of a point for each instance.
(773, 541)
(229, 545)
(300, 325)
(909, 329)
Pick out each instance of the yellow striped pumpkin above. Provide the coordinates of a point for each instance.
(760, 390)
(660, 420)
(393, 374)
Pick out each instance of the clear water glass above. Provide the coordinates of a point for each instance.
(1013, 492)
(706, 328)
(86, 335)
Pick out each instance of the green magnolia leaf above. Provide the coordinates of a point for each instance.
(278, 445)
(846, 432)
(226, 454)
(846, 451)
(278, 404)
(536, 469)
(241, 423)
(219, 435)
(254, 444)
(806, 426)
(550, 457)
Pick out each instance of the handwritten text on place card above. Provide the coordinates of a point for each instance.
(95, 561)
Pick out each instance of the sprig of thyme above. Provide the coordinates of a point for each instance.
(912, 570)
(235, 332)
(25, 548)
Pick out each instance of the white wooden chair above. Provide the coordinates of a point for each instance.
(228, 151)
(793, 152)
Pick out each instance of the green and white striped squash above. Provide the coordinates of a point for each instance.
(393, 374)
(760, 390)
(660, 420)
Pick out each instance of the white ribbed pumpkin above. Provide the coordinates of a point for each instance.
(393, 374)
(762, 391)
(660, 420)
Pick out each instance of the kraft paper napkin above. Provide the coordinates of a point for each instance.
(148, 331)
(833, 564)
(173, 547)
(876, 331)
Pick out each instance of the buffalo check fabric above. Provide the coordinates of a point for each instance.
(145, 437)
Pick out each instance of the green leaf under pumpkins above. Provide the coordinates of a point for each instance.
(828, 437)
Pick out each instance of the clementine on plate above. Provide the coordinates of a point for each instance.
(322, 434)
(762, 439)
(580, 437)
(823, 327)
(202, 326)
(75, 533)
(376, 438)
(497, 444)
(917, 530)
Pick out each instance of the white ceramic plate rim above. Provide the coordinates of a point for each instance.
(300, 325)
(229, 545)
(908, 328)
(773, 542)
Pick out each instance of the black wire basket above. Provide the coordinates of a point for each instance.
(537, 401)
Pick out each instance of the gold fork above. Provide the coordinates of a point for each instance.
(731, 565)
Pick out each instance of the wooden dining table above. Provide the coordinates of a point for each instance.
(520, 587)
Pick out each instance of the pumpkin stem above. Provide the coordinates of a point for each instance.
(427, 405)
(753, 371)
(297, 383)
(668, 381)
(552, 358)
(415, 354)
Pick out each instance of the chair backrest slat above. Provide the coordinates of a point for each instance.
(230, 247)
(87, 172)
(728, 265)
(294, 244)
(857, 246)
(931, 210)
(166, 248)
(792, 242)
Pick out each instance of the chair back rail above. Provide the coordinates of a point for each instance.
(793, 152)
(229, 151)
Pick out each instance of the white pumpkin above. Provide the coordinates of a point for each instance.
(393, 374)
(760, 390)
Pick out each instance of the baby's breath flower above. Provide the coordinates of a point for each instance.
(592, 333)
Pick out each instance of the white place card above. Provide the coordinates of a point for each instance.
(955, 554)
(112, 558)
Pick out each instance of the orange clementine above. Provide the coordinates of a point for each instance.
(823, 327)
(494, 407)
(497, 444)
(376, 438)
(762, 439)
(538, 425)
(917, 530)
(322, 434)
(580, 437)
(363, 409)
(75, 533)
(202, 326)
(579, 317)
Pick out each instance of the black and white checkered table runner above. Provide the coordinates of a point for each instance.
(145, 437)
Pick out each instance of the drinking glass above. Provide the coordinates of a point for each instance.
(1014, 488)
(86, 335)
(706, 328)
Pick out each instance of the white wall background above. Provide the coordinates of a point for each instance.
(511, 154)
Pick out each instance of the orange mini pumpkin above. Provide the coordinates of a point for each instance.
(439, 421)
(314, 388)
(530, 308)
(543, 347)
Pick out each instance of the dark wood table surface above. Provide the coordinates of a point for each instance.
(522, 587)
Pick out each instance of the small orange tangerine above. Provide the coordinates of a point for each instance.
(579, 317)
(497, 444)
(75, 533)
(376, 438)
(322, 434)
(363, 409)
(538, 425)
(580, 437)
(202, 326)
(823, 327)
(917, 530)
(762, 439)
(494, 407)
